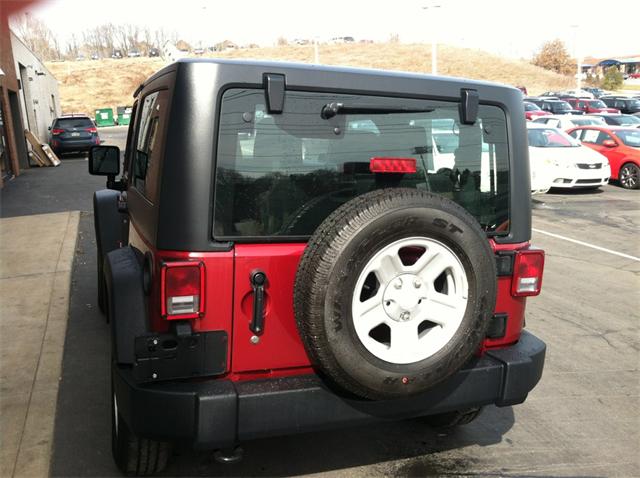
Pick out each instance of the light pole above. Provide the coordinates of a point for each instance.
(578, 60)
(434, 45)
(316, 53)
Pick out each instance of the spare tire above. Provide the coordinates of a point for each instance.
(394, 292)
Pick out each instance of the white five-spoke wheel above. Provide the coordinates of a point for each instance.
(409, 300)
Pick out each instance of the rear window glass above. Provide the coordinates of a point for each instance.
(283, 174)
(561, 106)
(68, 123)
(587, 121)
(629, 120)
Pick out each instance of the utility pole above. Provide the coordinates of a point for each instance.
(434, 40)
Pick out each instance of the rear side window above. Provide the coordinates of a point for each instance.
(70, 123)
(147, 144)
(282, 175)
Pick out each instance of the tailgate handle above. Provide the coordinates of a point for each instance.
(258, 281)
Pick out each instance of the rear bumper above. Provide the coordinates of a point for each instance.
(73, 145)
(220, 413)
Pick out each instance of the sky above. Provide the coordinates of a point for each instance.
(515, 28)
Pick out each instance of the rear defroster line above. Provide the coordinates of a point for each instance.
(586, 244)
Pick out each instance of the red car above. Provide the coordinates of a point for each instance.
(620, 145)
(533, 111)
(591, 106)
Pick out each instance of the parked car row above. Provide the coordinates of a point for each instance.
(585, 156)
(626, 104)
(118, 54)
(583, 139)
(567, 103)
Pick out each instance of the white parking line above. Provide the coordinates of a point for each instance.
(586, 244)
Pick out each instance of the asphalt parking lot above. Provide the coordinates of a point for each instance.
(582, 420)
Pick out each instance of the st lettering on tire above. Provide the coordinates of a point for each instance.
(394, 292)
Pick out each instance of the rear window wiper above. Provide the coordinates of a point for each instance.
(332, 109)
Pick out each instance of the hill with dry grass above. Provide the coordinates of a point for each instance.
(87, 85)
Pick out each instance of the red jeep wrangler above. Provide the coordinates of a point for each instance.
(293, 248)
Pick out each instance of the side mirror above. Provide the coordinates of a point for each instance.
(49, 128)
(104, 160)
(609, 143)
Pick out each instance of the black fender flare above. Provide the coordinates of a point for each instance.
(123, 271)
(111, 225)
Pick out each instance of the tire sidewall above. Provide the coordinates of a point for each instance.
(632, 167)
(460, 234)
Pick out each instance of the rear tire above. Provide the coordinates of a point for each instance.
(133, 455)
(452, 419)
(629, 176)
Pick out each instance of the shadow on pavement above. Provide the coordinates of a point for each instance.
(363, 446)
(44, 190)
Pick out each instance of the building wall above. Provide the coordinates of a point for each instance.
(9, 89)
(40, 97)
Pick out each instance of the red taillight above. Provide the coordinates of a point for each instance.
(182, 290)
(392, 165)
(57, 131)
(527, 272)
(93, 129)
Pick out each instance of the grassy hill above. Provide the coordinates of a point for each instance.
(87, 85)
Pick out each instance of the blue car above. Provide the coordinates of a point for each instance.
(74, 133)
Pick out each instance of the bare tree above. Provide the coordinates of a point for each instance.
(36, 36)
(102, 39)
(147, 40)
(107, 38)
(91, 40)
(133, 32)
(121, 38)
(73, 48)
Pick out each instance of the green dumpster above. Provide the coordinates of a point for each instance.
(124, 115)
(104, 117)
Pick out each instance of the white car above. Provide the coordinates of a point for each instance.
(559, 161)
(566, 122)
(580, 93)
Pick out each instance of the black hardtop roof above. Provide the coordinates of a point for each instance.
(321, 73)
(196, 88)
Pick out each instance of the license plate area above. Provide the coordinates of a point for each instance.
(168, 356)
(75, 134)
